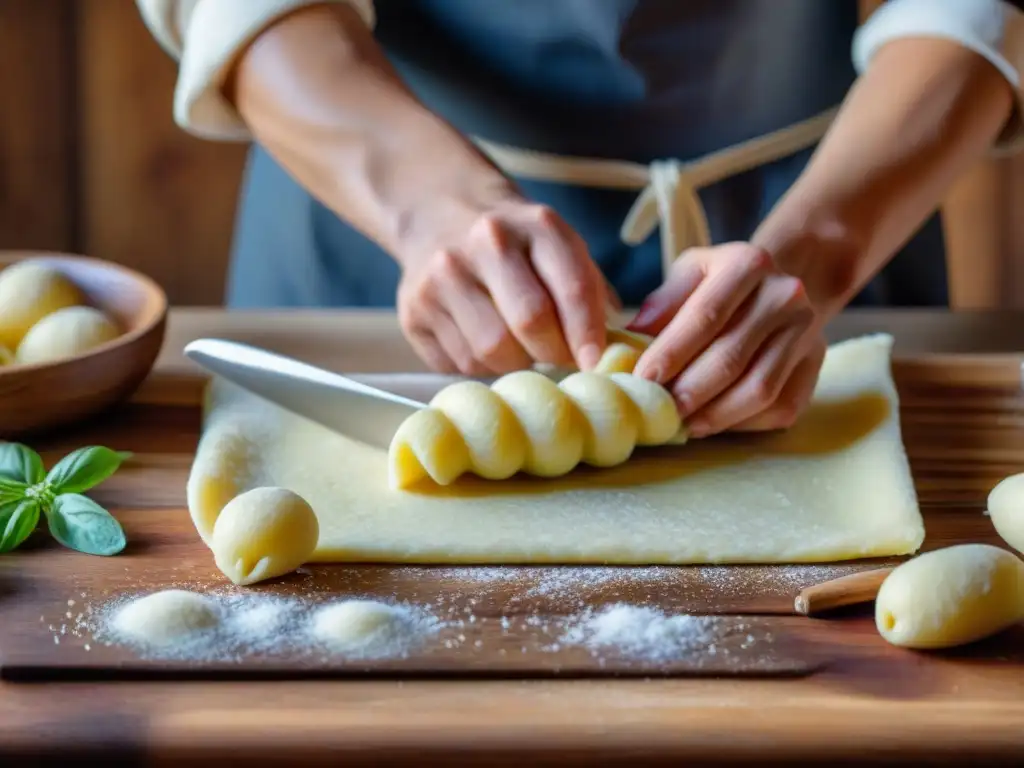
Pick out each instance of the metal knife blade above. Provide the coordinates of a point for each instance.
(358, 411)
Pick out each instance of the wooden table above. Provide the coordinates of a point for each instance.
(872, 707)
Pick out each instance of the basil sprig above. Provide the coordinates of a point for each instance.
(28, 492)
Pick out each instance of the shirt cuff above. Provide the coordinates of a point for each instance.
(207, 41)
(991, 28)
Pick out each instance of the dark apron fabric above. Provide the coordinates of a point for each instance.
(625, 79)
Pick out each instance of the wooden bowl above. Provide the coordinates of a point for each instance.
(43, 396)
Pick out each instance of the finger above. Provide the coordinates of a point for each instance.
(430, 352)
(416, 308)
(473, 312)
(703, 316)
(519, 295)
(451, 339)
(561, 260)
(611, 297)
(756, 391)
(663, 303)
(779, 303)
(794, 398)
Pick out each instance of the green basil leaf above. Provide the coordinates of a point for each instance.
(85, 468)
(7, 510)
(11, 490)
(81, 524)
(20, 463)
(17, 521)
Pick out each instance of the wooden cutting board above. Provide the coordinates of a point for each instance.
(963, 426)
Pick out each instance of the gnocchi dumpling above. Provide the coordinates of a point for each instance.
(262, 534)
(1006, 509)
(951, 597)
(29, 291)
(66, 333)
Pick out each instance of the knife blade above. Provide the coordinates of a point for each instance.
(351, 408)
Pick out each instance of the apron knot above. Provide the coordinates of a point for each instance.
(670, 199)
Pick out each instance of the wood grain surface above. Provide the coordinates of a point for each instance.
(861, 700)
(37, 132)
(150, 196)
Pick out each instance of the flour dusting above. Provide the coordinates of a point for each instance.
(256, 624)
(625, 613)
(641, 632)
(628, 583)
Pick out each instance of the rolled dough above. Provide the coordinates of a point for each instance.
(525, 422)
(835, 486)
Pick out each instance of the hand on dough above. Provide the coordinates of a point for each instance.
(737, 340)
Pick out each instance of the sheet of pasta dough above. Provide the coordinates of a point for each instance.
(835, 486)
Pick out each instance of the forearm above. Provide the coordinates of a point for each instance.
(924, 111)
(318, 93)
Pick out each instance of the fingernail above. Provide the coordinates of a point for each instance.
(644, 316)
(649, 373)
(684, 400)
(697, 428)
(589, 355)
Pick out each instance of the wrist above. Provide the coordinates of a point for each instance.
(825, 245)
(433, 215)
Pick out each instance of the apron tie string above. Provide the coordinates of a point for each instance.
(669, 189)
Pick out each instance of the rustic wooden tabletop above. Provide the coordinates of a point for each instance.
(963, 417)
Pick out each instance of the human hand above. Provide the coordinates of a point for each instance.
(738, 343)
(494, 288)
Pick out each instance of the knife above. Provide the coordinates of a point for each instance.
(356, 410)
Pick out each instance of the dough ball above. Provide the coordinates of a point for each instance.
(356, 624)
(165, 618)
(611, 416)
(951, 597)
(618, 358)
(496, 442)
(554, 434)
(622, 352)
(427, 444)
(1006, 508)
(65, 333)
(6, 356)
(264, 533)
(659, 416)
(29, 291)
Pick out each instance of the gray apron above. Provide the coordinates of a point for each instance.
(637, 80)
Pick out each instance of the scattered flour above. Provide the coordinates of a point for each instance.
(631, 583)
(521, 609)
(641, 632)
(229, 626)
(232, 625)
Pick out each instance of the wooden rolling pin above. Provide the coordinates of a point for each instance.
(855, 588)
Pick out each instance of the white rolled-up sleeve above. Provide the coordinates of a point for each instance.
(993, 29)
(206, 36)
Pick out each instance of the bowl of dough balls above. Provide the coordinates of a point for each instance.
(77, 335)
